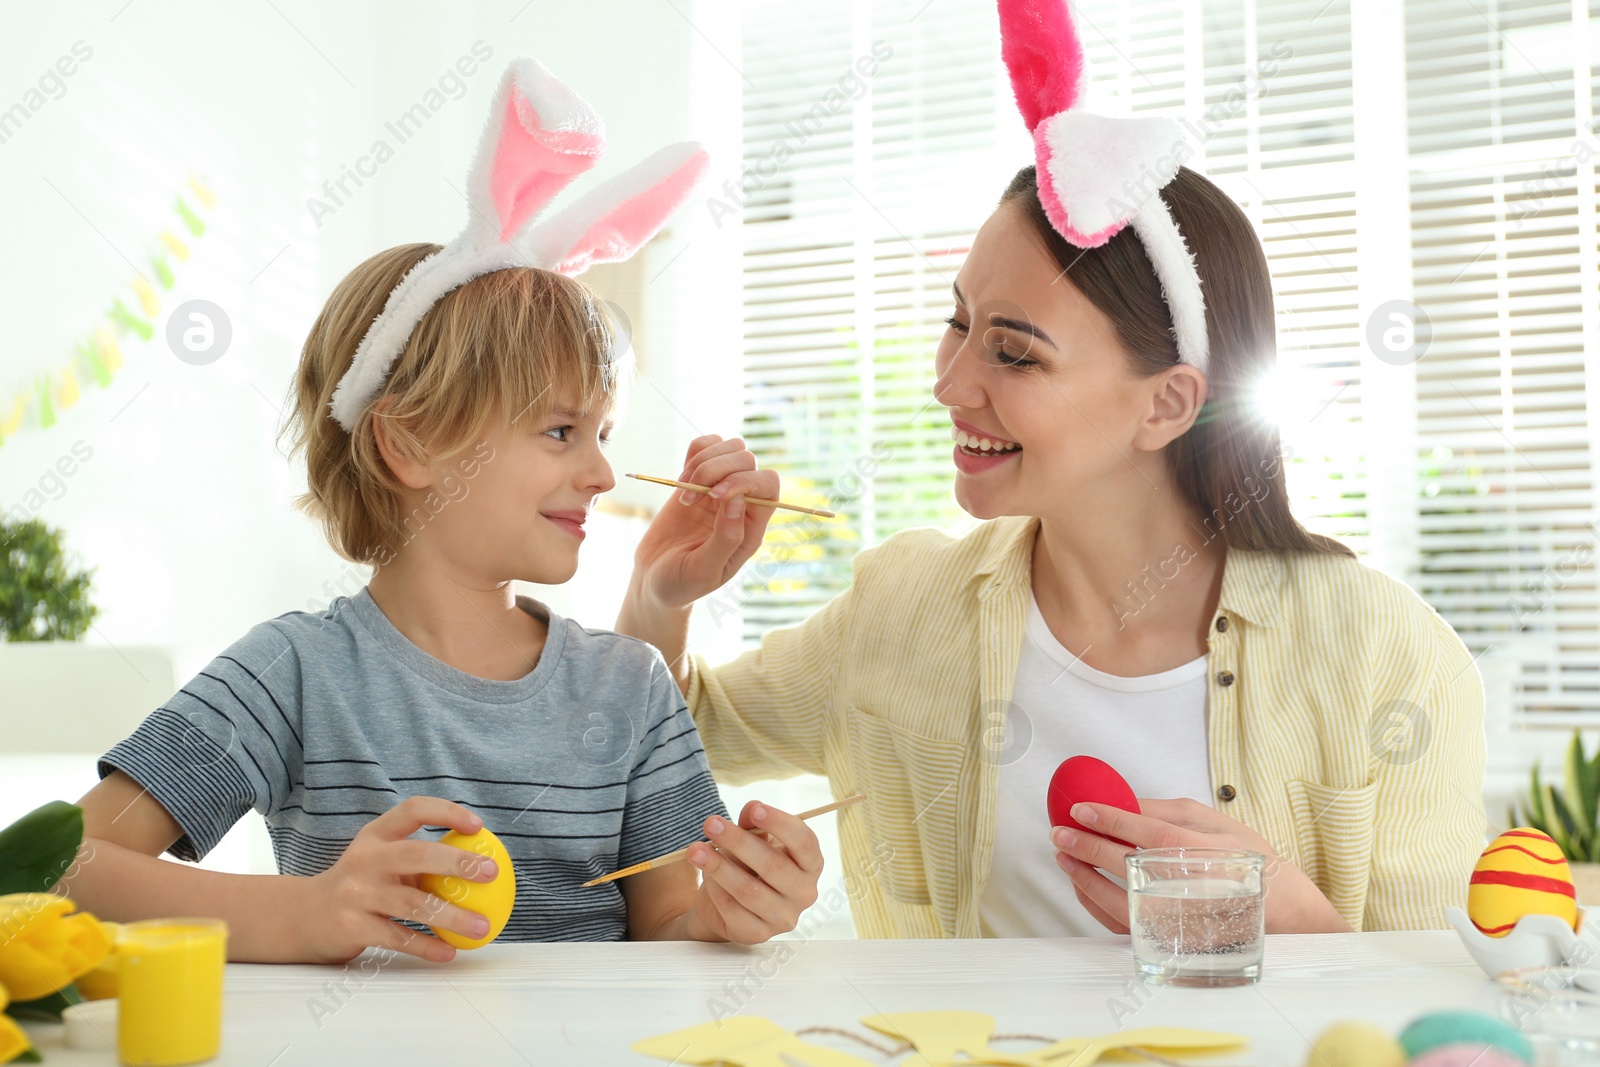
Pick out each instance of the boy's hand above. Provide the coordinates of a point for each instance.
(348, 907)
(697, 541)
(753, 887)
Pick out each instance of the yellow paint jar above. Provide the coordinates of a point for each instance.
(170, 990)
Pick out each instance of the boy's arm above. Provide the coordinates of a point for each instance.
(120, 877)
(327, 918)
(753, 887)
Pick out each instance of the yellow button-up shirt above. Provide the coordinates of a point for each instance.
(1345, 724)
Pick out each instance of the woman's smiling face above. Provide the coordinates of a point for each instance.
(1044, 404)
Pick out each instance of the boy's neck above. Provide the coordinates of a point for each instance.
(479, 631)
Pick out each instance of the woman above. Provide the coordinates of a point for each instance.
(1140, 591)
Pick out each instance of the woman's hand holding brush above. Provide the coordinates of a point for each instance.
(696, 542)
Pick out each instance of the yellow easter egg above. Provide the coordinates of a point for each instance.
(1522, 872)
(492, 900)
(1356, 1045)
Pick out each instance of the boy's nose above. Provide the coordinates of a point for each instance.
(605, 479)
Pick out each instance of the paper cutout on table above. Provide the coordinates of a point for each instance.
(743, 1041)
(943, 1038)
(940, 1039)
(946, 1037)
(1166, 1040)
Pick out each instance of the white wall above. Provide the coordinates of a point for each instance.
(183, 508)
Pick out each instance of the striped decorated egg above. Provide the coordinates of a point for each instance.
(1522, 872)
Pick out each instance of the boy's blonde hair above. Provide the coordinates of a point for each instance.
(506, 346)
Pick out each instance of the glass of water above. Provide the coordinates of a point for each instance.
(1198, 915)
(1558, 1008)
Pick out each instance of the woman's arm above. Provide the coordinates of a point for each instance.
(1427, 812)
(761, 716)
(1430, 821)
(1294, 903)
(663, 625)
(695, 544)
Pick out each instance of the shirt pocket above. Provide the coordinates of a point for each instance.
(1333, 831)
(913, 787)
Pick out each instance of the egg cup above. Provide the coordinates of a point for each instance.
(1535, 941)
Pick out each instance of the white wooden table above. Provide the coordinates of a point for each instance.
(583, 1004)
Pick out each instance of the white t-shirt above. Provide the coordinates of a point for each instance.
(1152, 729)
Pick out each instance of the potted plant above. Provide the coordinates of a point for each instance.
(41, 597)
(1569, 815)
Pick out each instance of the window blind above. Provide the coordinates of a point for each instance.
(850, 247)
(849, 251)
(1500, 100)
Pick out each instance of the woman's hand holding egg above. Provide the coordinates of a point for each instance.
(348, 907)
(753, 887)
(1294, 903)
(698, 541)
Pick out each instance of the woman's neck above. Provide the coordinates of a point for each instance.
(457, 620)
(1130, 591)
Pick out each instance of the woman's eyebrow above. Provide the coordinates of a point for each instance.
(1019, 325)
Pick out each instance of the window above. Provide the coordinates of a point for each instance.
(896, 134)
(1469, 472)
(1503, 228)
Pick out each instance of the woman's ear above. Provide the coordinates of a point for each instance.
(401, 452)
(1176, 397)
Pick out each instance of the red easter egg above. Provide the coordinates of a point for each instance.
(1084, 779)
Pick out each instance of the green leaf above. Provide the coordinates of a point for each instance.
(27, 1055)
(1536, 813)
(46, 1009)
(1562, 831)
(37, 849)
(1581, 793)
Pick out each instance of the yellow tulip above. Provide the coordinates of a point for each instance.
(43, 946)
(13, 1042)
(100, 982)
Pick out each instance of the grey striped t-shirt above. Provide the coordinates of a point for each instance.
(588, 763)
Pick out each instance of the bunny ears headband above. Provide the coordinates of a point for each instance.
(1097, 173)
(540, 136)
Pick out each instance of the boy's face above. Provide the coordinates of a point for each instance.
(514, 506)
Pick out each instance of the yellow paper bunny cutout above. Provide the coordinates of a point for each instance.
(743, 1041)
(961, 1039)
(940, 1038)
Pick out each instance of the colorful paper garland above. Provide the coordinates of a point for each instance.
(98, 356)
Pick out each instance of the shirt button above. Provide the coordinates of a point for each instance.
(1224, 677)
(1222, 624)
(1227, 793)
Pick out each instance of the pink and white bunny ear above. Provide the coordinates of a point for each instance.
(1096, 170)
(1098, 173)
(539, 137)
(613, 220)
(1042, 52)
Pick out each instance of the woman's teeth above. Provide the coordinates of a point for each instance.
(971, 442)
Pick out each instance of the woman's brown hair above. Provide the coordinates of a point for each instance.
(1229, 463)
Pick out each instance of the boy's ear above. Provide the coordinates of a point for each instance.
(1179, 395)
(402, 453)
